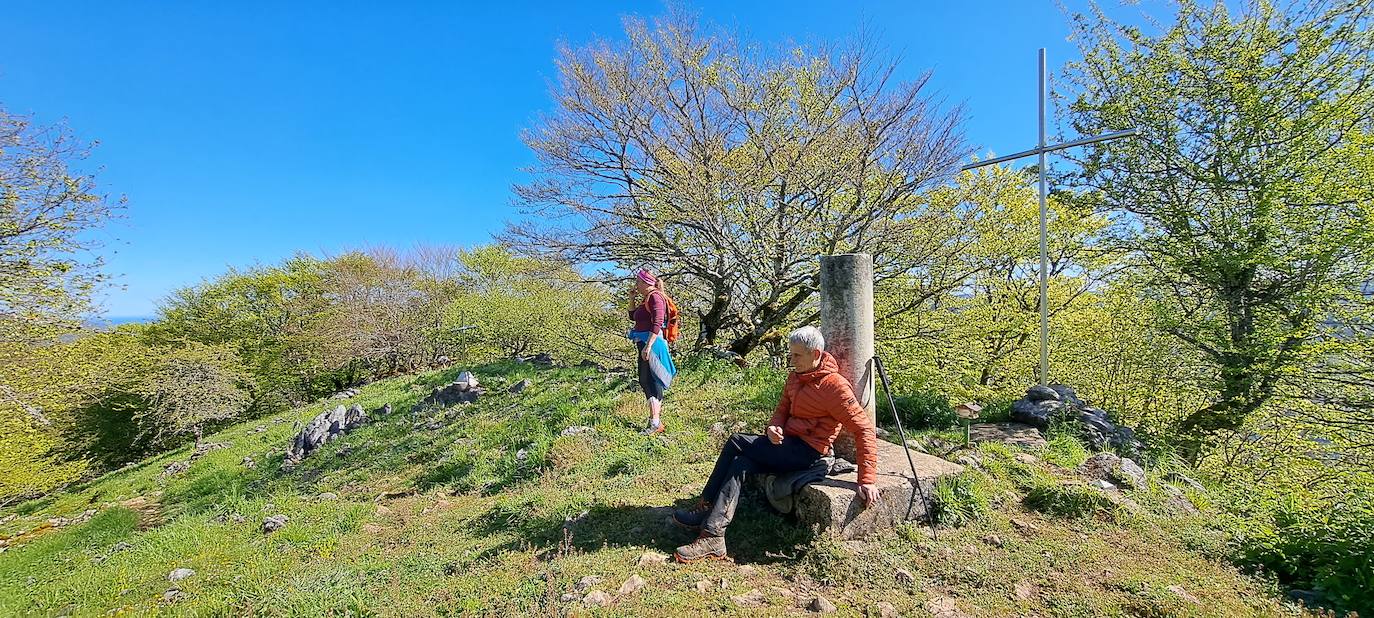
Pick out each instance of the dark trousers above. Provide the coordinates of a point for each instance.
(746, 453)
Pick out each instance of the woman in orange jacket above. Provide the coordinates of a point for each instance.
(816, 403)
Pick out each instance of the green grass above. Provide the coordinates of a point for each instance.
(451, 522)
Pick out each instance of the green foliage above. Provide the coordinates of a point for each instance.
(962, 498)
(1248, 194)
(1064, 449)
(924, 411)
(1072, 500)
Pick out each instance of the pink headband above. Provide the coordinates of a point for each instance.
(647, 278)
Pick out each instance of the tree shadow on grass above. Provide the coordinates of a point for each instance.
(757, 535)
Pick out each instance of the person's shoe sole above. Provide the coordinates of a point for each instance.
(652, 432)
(708, 557)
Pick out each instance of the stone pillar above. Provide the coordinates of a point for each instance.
(847, 323)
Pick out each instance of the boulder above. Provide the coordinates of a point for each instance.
(1094, 425)
(1110, 467)
(326, 426)
(448, 395)
(1041, 393)
(518, 387)
(273, 523)
(180, 574)
(1015, 434)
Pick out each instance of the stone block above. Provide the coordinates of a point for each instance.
(832, 504)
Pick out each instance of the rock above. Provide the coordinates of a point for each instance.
(1023, 525)
(1309, 598)
(467, 378)
(518, 387)
(881, 433)
(273, 523)
(1024, 590)
(576, 430)
(522, 454)
(328, 495)
(385, 410)
(651, 558)
(120, 546)
(1042, 393)
(542, 360)
(703, 586)
(904, 577)
(970, 460)
(1183, 594)
(1118, 470)
(326, 426)
(915, 446)
(1178, 477)
(260, 429)
(1178, 503)
(753, 598)
(1026, 458)
(176, 467)
(822, 605)
(632, 585)
(206, 447)
(345, 394)
(887, 610)
(748, 570)
(449, 395)
(596, 598)
(180, 574)
(943, 607)
(1067, 395)
(587, 582)
(1037, 414)
(1015, 434)
(591, 364)
(171, 595)
(718, 430)
(1103, 485)
(993, 540)
(248, 462)
(567, 597)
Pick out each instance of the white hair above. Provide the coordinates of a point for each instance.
(808, 337)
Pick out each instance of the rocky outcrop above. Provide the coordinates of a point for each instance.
(326, 426)
(1056, 403)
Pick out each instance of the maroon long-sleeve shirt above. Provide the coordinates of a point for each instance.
(649, 315)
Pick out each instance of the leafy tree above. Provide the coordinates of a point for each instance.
(732, 169)
(189, 386)
(1248, 195)
(47, 275)
(512, 305)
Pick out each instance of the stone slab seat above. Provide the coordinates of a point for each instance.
(832, 503)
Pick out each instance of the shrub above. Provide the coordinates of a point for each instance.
(1065, 449)
(1322, 546)
(926, 411)
(961, 498)
(1066, 499)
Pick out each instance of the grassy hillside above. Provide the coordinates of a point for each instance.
(494, 511)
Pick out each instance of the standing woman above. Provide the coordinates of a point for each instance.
(656, 369)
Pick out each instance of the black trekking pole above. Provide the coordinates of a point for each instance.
(915, 478)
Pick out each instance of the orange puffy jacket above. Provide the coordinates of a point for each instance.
(815, 404)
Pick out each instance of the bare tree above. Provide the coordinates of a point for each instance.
(732, 169)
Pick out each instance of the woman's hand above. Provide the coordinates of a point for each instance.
(644, 354)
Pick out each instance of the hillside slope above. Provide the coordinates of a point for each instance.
(489, 508)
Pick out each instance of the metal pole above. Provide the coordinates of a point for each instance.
(1044, 241)
(915, 478)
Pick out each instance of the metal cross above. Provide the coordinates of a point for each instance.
(1041, 150)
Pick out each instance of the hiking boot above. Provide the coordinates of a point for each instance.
(704, 548)
(653, 428)
(692, 519)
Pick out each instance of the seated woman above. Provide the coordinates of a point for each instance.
(816, 402)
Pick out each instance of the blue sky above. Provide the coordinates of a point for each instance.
(242, 132)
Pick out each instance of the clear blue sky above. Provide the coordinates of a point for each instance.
(242, 132)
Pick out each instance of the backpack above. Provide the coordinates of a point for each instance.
(672, 326)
